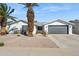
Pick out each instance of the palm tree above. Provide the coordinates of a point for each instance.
(30, 17)
(5, 12)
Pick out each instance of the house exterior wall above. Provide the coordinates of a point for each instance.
(16, 25)
(34, 32)
(19, 27)
(57, 23)
(70, 29)
(75, 28)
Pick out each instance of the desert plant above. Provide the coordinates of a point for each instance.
(5, 13)
(1, 44)
(44, 33)
(18, 34)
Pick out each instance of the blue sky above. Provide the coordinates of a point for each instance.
(48, 11)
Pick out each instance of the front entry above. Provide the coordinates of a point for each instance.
(39, 29)
(24, 29)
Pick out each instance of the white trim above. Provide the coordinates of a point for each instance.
(58, 23)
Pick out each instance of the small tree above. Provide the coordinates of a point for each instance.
(5, 12)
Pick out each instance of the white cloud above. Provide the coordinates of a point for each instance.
(55, 8)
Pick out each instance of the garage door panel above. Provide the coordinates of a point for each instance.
(54, 29)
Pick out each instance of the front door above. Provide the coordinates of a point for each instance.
(39, 29)
(24, 29)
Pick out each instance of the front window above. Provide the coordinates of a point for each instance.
(73, 27)
(39, 27)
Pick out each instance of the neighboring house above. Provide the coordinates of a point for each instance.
(20, 26)
(54, 27)
(58, 27)
(75, 28)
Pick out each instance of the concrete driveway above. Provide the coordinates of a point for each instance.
(65, 40)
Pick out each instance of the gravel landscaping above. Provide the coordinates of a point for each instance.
(38, 41)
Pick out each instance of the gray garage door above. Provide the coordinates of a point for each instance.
(57, 29)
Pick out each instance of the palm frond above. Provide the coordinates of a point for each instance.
(5, 11)
(3, 6)
(12, 18)
(35, 4)
(11, 11)
(9, 8)
(28, 4)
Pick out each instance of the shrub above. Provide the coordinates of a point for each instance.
(44, 33)
(1, 44)
(18, 35)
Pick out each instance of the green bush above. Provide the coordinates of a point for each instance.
(18, 35)
(44, 33)
(1, 44)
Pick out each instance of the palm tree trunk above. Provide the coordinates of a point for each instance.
(1, 18)
(30, 18)
(3, 27)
